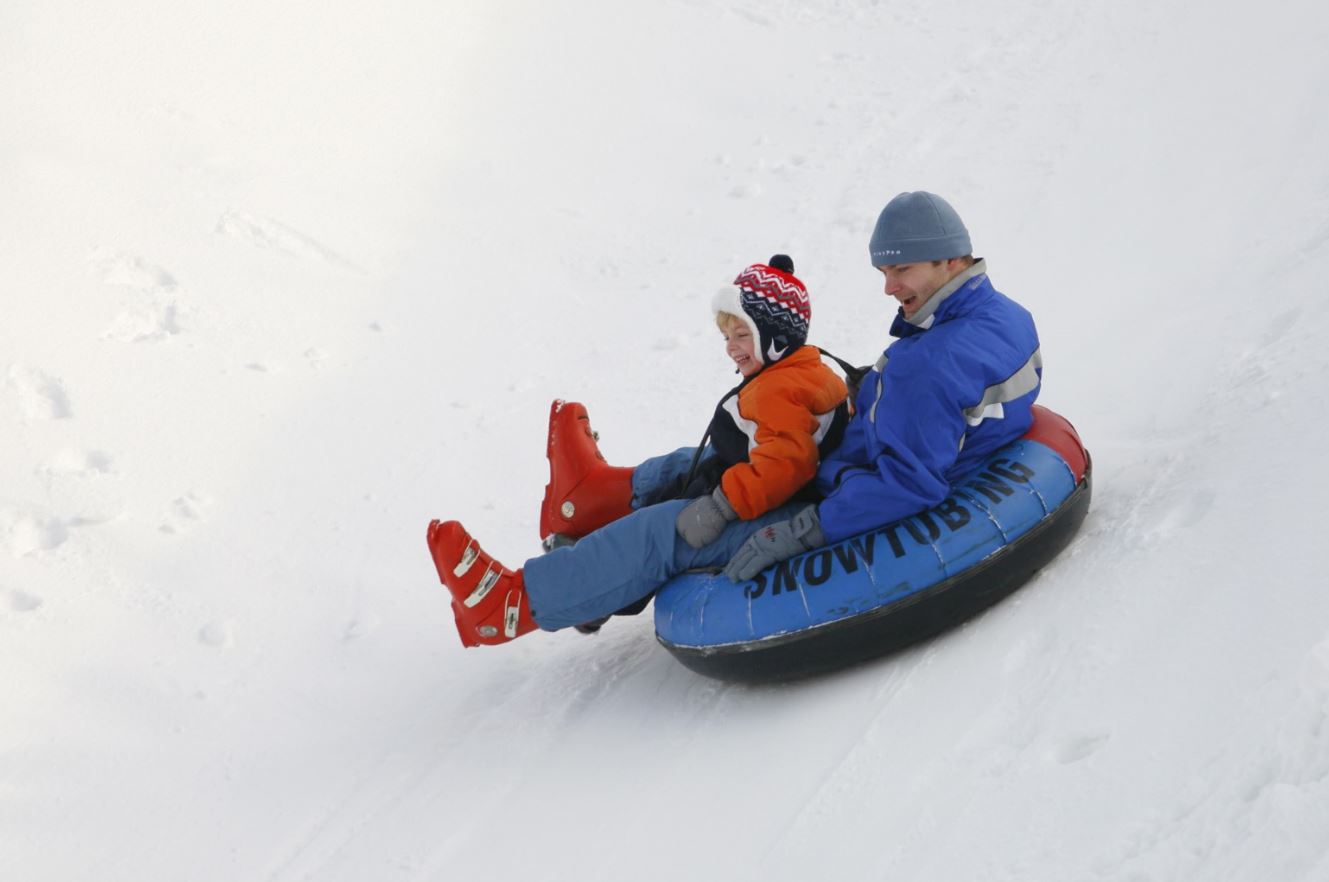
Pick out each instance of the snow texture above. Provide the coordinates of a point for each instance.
(281, 282)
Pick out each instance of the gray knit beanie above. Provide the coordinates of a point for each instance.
(917, 227)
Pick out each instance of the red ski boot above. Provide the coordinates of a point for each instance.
(488, 600)
(584, 492)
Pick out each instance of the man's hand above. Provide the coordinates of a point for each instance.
(703, 519)
(776, 542)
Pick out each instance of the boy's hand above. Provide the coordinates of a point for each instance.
(703, 519)
(776, 542)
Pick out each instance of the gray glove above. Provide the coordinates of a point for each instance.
(776, 542)
(703, 519)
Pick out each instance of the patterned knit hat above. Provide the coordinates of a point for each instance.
(774, 304)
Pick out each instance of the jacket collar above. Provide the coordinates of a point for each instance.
(943, 304)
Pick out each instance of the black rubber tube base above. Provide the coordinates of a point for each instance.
(903, 623)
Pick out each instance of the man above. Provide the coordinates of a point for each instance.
(958, 383)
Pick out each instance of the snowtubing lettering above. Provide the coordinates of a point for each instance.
(892, 586)
(924, 529)
(818, 567)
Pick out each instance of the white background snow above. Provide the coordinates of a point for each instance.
(279, 282)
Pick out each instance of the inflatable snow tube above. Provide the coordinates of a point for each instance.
(883, 590)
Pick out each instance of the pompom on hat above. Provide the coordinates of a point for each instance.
(773, 303)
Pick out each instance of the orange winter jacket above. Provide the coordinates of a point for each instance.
(785, 412)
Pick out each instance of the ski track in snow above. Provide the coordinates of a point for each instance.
(267, 233)
(23, 602)
(150, 304)
(40, 396)
(185, 512)
(31, 532)
(77, 462)
(129, 271)
(1277, 785)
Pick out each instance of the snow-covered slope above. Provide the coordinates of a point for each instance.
(280, 282)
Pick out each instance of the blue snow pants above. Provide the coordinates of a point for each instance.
(630, 558)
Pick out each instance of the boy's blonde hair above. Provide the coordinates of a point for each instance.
(724, 319)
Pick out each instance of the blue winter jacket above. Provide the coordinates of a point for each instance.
(957, 385)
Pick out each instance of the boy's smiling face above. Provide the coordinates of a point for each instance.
(741, 347)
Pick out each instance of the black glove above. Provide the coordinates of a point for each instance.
(703, 519)
(853, 381)
(776, 542)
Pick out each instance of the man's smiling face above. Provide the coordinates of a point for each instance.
(913, 284)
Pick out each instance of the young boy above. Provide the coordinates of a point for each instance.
(694, 507)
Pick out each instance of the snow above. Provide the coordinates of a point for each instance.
(281, 282)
